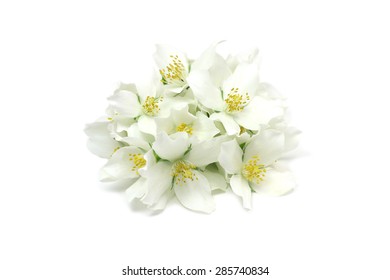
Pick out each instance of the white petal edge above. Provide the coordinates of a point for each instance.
(204, 90)
(162, 202)
(205, 152)
(276, 183)
(228, 122)
(159, 180)
(171, 149)
(100, 142)
(230, 157)
(147, 125)
(196, 194)
(259, 111)
(216, 180)
(119, 166)
(137, 190)
(268, 145)
(125, 103)
(240, 187)
(204, 127)
(245, 77)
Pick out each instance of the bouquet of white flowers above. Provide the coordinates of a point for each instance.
(199, 127)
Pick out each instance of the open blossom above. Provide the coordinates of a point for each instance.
(236, 100)
(197, 127)
(102, 140)
(179, 172)
(254, 169)
(173, 67)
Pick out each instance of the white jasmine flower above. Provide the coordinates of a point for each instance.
(173, 67)
(126, 162)
(142, 104)
(139, 188)
(235, 102)
(255, 168)
(198, 127)
(180, 171)
(101, 141)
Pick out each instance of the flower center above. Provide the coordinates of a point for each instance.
(235, 101)
(138, 161)
(183, 127)
(253, 171)
(174, 72)
(183, 171)
(150, 106)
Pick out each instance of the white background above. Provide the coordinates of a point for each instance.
(59, 61)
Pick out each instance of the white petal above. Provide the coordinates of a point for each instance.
(100, 141)
(228, 122)
(250, 56)
(204, 127)
(247, 118)
(268, 91)
(119, 166)
(150, 162)
(208, 94)
(276, 183)
(125, 103)
(243, 138)
(245, 78)
(163, 53)
(177, 103)
(291, 138)
(268, 145)
(206, 59)
(159, 180)
(219, 71)
(137, 190)
(259, 111)
(119, 123)
(291, 134)
(196, 194)
(182, 116)
(149, 86)
(212, 62)
(163, 58)
(205, 152)
(230, 157)
(136, 138)
(241, 188)
(216, 180)
(165, 124)
(162, 202)
(147, 125)
(171, 149)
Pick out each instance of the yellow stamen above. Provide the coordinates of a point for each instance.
(184, 127)
(181, 171)
(138, 161)
(235, 101)
(253, 171)
(174, 72)
(150, 106)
